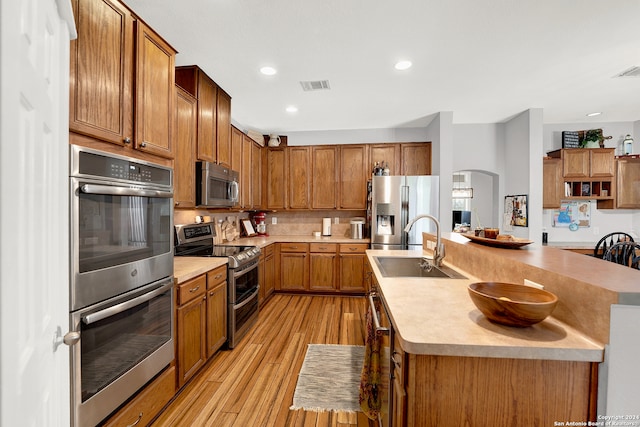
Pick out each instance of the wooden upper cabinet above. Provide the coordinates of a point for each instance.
(416, 158)
(324, 179)
(246, 186)
(256, 175)
(588, 162)
(389, 154)
(155, 77)
(354, 168)
(235, 153)
(185, 139)
(299, 177)
(101, 71)
(276, 184)
(553, 185)
(223, 128)
(575, 163)
(628, 191)
(198, 84)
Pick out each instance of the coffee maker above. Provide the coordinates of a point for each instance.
(260, 220)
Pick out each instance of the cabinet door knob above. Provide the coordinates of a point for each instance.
(144, 144)
(127, 140)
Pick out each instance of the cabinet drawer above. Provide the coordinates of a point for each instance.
(192, 289)
(323, 247)
(268, 250)
(294, 247)
(353, 248)
(216, 276)
(146, 405)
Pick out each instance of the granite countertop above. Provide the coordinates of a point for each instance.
(436, 316)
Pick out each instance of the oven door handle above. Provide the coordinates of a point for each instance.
(123, 191)
(118, 308)
(247, 300)
(374, 315)
(240, 271)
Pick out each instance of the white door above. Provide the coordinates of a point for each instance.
(34, 242)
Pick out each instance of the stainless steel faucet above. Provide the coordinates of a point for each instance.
(438, 251)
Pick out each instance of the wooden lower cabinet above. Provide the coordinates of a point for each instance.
(294, 266)
(353, 268)
(266, 273)
(148, 403)
(323, 267)
(201, 321)
(476, 391)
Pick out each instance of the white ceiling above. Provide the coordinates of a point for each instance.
(484, 60)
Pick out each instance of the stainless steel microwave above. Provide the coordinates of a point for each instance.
(216, 186)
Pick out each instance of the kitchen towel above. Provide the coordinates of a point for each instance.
(370, 377)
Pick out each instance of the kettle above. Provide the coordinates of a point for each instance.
(274, 140)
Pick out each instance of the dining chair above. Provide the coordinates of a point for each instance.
(609, 240)
(624, 253)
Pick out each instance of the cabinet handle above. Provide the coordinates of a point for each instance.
(192, 290)
(127, 140)
(217, 276)
(353, 249)
(144, 144)
(322, 248)
(211, 293)
(137, 421)
(395, 362)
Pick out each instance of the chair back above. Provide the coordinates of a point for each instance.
(624, 253)
(609, 240)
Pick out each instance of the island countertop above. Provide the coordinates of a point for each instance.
(436, 316)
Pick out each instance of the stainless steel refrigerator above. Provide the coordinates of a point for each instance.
(395, 200)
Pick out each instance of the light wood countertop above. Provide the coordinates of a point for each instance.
(437, 317)
(186, 267)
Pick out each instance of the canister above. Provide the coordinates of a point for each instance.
(357, 228)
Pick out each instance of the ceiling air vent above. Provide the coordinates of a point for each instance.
(315, 85)
(631, 72)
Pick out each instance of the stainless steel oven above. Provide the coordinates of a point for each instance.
(121, 231)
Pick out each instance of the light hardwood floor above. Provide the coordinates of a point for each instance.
(253, 384)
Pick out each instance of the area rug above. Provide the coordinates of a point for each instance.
(329, 379)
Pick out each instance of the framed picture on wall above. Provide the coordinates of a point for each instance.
(516, 208)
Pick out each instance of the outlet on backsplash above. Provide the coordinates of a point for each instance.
(274, 220)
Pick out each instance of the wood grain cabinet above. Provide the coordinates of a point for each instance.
(246, 173)
(266, 273)
(354, 172)
(256, 176)
(352, 264)
(216, 309)
(323, 267)
(628, 180)
(588, 174)
(205, 90)
(121, 81)
(223, 128)
(184, 172)
(415, 158)
(294, 266)
(191, 324)
(276, 178)
(389, 154)
(325, 177)
(148, 403)
(299, 178)
(553, 185)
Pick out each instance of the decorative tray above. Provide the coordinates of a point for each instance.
(515, 243)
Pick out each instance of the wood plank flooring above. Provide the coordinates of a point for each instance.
(253, 384)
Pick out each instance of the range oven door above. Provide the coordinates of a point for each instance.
(124, 342)
(121, 238)
(243, 301)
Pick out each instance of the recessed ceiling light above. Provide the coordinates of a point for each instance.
(403, 65)
(268, 71)
(292, 109)
(595, 113)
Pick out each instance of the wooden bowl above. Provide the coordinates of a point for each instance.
(511, 304)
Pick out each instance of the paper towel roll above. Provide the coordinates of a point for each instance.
(326, 226)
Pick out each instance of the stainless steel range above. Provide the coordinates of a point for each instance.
(196, 240)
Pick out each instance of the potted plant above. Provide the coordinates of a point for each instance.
(592, 139)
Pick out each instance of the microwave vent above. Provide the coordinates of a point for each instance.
(313, 85)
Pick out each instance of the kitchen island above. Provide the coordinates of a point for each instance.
(460, 369)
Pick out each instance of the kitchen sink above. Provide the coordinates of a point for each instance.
(411, 267)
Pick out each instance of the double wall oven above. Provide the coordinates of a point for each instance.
(242, 274)
(121, 293)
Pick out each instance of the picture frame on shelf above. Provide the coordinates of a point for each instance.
(517, 208)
